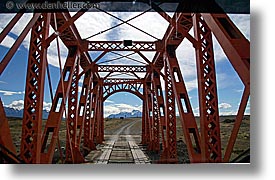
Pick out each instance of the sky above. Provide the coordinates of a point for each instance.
(12, 81)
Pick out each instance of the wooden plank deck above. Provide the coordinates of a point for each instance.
(120, 151)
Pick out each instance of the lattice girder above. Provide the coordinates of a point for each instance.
(208, 98)
(34, 92)
(85, 113)
(156, 121)
(90, 126)
(52, 126)
(120, 46)
(189, 125)
(148, 113)
(170, 117)
(73, 154)
(113, 86)
(120, 68)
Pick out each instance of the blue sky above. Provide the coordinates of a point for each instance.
(12, 81)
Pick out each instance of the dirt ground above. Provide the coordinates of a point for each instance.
(112, 125)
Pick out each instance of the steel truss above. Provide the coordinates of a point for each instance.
(121, 68)
(121, 46)
(84, 113)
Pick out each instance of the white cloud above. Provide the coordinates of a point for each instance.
(223, 80)
(47, 106)
(10, 93)
(149, 22)
(186, 53)
(191, 85)
(186, 58)
(117, 108)
(238, 90)
(224, 106)
(108, 101)
(17, 29)
(3, 82)
(8, 42)
(17, 104)
(79, 89)
(88, 24)
(227, 113)
(242, 21)
(91, 23)
(110, 110)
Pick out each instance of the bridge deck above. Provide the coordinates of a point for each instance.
(119, 151)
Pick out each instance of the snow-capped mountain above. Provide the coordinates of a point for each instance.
(11, 112)
(133, 114)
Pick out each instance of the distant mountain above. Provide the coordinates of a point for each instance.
(133, 114)
(11, 112)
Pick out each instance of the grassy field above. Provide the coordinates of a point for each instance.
(111, 125)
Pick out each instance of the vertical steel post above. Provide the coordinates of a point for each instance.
(237, 50)
(149, 113)
(145, 115)
(5, 134)
(156, 117)
(72, 116)
(207, 90)
(170, 116)
(52, 127)
(34, 92)
(94, 109)
(85, 102)
(100, 119)
(189, 125)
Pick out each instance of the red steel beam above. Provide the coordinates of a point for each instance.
(143, 121)
(120, 68)
(52, 126)
(189, 125)
(237, 49)
(11, 24)
(149, 113)
(34, 92)
(170, 117)
(73, 154)
(171, 36)
(208, 97)
(5, 61)
(156, 116)
(84, 110)
(89, 123)
(5, 134)
(98, 114)
(174, 22)
(63, 27)
(111, 81)
(233, 43)
(122, 85)
(159, 115)
(237, 125)
(121, 46)
(71, 37)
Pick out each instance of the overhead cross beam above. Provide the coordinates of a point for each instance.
(120, 68)
(126, 45)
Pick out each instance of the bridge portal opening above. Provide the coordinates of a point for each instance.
(123, 115)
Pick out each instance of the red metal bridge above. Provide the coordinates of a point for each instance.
(84, 116)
